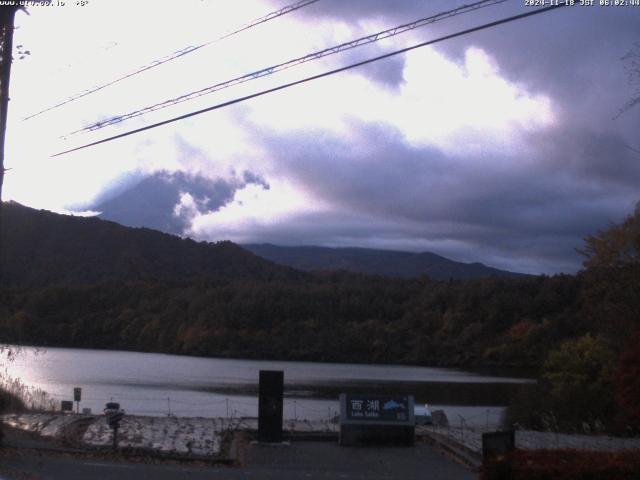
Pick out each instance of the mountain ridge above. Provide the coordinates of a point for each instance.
(43, 248)
(40, 247)
(394, 263)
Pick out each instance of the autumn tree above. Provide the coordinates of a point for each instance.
(612, 279)
(628, 383)
(578, 379)
(615, 247)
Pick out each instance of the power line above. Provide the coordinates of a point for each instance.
(321, 75)
(291, 63)
(180, 53)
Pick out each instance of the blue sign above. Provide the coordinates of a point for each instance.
(377, 408)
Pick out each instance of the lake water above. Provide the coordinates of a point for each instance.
(158, 384)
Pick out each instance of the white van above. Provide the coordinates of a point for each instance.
(423, 415)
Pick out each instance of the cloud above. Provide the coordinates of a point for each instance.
(501, 179)
(499, 146)
(169, 201)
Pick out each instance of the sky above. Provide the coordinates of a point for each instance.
(505, 146)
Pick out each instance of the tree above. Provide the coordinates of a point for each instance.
(612, 279)
(618, 246)
(628, 382)
(578, 378)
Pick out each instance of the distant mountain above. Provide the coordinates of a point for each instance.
(147, 204)
(39, 248)
(150, 201)
(377, 262)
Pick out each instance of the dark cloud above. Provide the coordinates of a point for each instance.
(353, 11)
(573, 54)
(581, 177)
(387, 73)
(525, 211)
(152, 201)
(509, 211)
(250, 177)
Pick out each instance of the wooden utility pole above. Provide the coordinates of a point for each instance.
(7, 15)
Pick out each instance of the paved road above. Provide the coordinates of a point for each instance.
(324, 460)
(301, 460)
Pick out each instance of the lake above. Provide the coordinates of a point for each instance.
(159, 384)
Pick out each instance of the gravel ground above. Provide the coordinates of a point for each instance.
(45, 424)
(205, 436)
(169, 435)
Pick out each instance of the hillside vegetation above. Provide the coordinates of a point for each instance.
(42, 248)
(90, 283)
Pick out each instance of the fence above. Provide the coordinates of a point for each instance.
(222, 407)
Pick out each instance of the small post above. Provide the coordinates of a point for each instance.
(114, 415)
(295, 411)
(169, 406)
(115, 438)
(227, 402)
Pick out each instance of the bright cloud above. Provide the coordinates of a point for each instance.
(255, 208)
(456, 107)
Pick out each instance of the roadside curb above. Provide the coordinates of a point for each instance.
(461, 453)
(44, 448)
(310, 436)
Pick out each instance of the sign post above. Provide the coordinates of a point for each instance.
(114, 415)
(77, 396)
(376, 419)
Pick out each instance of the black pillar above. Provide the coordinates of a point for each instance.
(270, 406)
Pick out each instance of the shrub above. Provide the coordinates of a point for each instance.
(564, 465)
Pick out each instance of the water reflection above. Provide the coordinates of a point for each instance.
(157, 384)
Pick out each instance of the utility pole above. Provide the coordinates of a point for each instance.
(7, 15)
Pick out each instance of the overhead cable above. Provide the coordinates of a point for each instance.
(179, 53)
(291, 63)
(321, 75)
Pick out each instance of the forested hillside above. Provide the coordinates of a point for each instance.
(41, 248)
(337, 317)
(237, 305)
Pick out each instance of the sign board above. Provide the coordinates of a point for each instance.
(376, 419)
(376, 409)
(77, 394)
(114, 418)
(66, 405)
